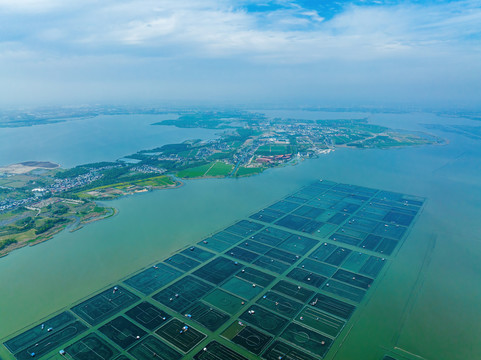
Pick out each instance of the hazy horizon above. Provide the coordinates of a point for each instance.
(374, 53)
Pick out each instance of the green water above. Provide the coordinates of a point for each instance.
(433, 313)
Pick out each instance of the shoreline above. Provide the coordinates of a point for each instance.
(179, 182)
(104, 190)
(80, 224)
(55, 231)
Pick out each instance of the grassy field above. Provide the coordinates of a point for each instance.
(219, 169)
(16, 181)
(194, 172)
(213, 169)
(220, 155)
(188, 153)
(384, 141)
(155, 181)
(162, 180)
(245, 171)
(276, 149)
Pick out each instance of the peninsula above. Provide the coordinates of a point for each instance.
(39, 199)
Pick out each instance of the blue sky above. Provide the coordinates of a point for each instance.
(319, 53)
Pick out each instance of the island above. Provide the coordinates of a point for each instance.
(39, 199)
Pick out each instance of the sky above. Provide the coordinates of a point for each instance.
(283, 52)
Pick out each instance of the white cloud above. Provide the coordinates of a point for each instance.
(216, 29)
(171, 36)
(220, 31)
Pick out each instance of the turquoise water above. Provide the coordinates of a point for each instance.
(427, 304)
(101, 138)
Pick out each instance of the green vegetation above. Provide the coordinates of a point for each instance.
(213, 169)
(245, 133)
(73, 172)
(49, 224)
(61, 210)
(188, 153)
(220, 156)
(385, 141)
(98, 165)
(192, 123)
(123, 188)
(194, 172)
(5, 243)
(17, 181)
(347, 139)
(111, 178)
(158, 181)
(247, 140)
(98, 209)
(29, 226)
(174, 148)
(219, 169)
(24, 222)
(211, 120)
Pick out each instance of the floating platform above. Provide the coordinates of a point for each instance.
(282, 284)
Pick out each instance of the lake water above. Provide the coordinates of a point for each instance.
(427, 303)
(101, 138)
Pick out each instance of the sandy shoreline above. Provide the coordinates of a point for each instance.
(27, 166)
